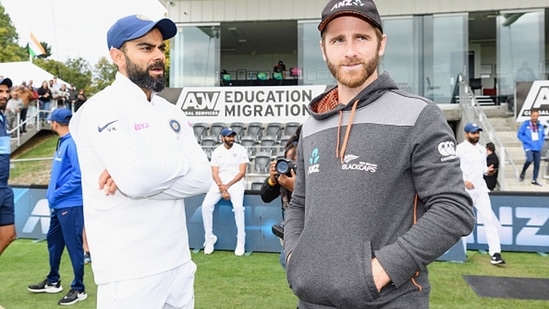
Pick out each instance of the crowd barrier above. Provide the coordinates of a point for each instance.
(524, 218)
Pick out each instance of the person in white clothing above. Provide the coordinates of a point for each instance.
(229, 163)
(473, 164)
(139, 160)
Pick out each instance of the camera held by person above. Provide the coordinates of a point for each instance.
(285, 166)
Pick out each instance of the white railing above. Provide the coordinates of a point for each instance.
(32, 120)
(32, 171)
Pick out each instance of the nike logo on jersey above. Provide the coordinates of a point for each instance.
(100, 129)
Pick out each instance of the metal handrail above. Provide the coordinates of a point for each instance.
(471, 112)
(32, 119)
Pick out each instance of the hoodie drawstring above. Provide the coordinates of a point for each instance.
(341, 153)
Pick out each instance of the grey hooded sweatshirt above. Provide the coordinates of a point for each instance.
(377, 177)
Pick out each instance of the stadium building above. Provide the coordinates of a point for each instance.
(222, 63)
(492, 42)
(221, 73)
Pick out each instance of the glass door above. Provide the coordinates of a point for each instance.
(520, 49)
(445, 52)
(197, 61)
(425, 54)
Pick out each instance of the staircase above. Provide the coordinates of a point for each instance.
(506, 130)
(499, 126)
(33, 127)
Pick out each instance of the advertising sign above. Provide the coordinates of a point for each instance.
(245, 104)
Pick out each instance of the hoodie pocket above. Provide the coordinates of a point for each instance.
(330, 275)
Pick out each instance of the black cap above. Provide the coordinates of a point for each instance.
(6, 81)
(365, 9)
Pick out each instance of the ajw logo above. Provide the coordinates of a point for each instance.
(201, 100)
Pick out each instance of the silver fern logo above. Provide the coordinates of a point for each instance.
(349, 157)
(360, 166)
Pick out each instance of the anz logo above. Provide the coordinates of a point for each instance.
(314, 167)
(39, 216)
(520, 227)
(201, 103)
(345, 3)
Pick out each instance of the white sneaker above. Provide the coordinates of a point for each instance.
(239, 251)
(209, 245)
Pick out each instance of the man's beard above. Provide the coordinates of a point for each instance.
(142, 78)
(354, 79)
(229, 143)
(473, 140)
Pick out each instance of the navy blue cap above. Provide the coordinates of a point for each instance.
(60, 115)
(227, 132)
(472, 127)
(6, 81)
(135, 26)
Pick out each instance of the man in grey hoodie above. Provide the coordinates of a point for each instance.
(379, 192)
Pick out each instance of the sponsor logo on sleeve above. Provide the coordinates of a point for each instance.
(447, 150)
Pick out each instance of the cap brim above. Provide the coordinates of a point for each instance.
(165, 25)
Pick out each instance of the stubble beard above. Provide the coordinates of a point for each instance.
(142, 78)
(3, 103)
(473, 140)
(354, 79)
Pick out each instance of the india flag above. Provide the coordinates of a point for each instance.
(35, 48)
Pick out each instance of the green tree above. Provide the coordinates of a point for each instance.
(103, 75)
(75, 71)
(10, 49)
(167, 54)
(47, 48)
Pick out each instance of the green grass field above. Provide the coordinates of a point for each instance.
(34, 171)
(257, 281)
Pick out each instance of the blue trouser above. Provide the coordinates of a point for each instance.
(532, 156)
(44, 106)
(6, 206)
(66, 226)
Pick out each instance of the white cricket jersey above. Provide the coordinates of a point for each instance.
(228, 161)
(473, 164)
(150, 151)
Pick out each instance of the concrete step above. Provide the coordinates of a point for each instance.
(516, 153)
(502, 124)
(515, 184)
(506, 131)
(509, 138)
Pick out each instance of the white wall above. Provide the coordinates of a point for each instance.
(242, 10)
